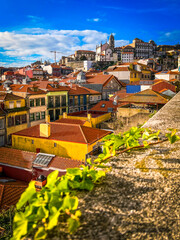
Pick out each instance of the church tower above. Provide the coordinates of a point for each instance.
(111, 41)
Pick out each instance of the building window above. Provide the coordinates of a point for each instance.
(38, 116)
(99, 97)
(55, 144)
(31, 117)
(10, 121)
(24, 118)
(37, 102)
(76, 100)
(57, 101)
(42, 115)
(42, 101)
(1, 123)
(32, 141)
(81, 100)
(50, 102)
(70, 101)
(11, 104)
(17, 120)
(31, 102)
(18, 104)
(63, 100)
(91, 98)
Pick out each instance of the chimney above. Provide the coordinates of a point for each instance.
(64, 114)
(45, 130)
(89, 117)
(40, 182)
(47, 118)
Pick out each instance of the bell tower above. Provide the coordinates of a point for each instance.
(111, 41)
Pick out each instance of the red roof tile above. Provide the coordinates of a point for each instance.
(9, 96)
(103, 106)
(17, 157)
(66, 132)
(10, 193)
(24, 159)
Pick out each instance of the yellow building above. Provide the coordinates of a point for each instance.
(62, 139)
(16, 113)
(91, 119)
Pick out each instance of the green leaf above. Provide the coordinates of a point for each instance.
(20, 226)
(63, 185)
(87, 185)
(27, 195)
(51, 179)
(172, 137)
(74, 171)
(70, 203)
(73, 224)
(40, 234)
(89, 161)
(53, 220)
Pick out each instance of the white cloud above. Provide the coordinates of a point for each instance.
(32, 44)
(170, 37)
(93, 19)
(120, 43)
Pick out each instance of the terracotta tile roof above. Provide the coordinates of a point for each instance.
(66, 132)
(74, 89)
(17, 157)
(10, 193)
(70, 121)
(9, 96)
(119, 69)
(100, 79)
(121, 94)
(64, 163)
(146, 96)
(24, 159)
(26, 89)
(103, 106)
(46, 85)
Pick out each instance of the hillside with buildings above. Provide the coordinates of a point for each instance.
(55, 116)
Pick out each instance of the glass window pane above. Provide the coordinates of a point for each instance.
(42, 101)
(31, 102)
(38, 116)
(42, 115)
(37, 102)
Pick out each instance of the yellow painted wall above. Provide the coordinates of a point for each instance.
(63, 149)
(16, 128)
(92, 122)
(6, 103)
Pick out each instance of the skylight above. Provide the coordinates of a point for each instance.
(43, 159)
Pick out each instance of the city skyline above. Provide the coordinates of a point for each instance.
(29, 31)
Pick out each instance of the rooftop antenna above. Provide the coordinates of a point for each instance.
(55, 55)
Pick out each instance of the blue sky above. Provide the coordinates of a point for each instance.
(29, 30)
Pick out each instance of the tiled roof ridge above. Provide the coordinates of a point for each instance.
(60, 123)
(83, 133)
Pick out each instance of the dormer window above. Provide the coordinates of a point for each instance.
(18, 104)
(11, 105)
